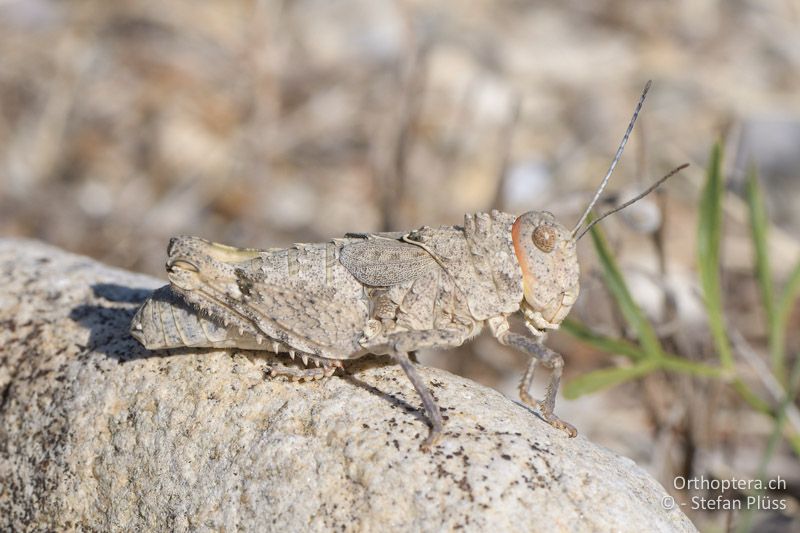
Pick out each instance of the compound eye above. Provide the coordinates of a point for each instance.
(544, 237)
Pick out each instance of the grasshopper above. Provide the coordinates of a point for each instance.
(380, 293)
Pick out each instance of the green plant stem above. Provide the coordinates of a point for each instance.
(619, 290)
(602, 342)
(751, 398)
(607, 377)
(679, 364)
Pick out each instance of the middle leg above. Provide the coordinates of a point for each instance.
(400, 345)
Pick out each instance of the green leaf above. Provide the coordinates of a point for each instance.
(616, 284)
(607, 377)
(601, 342)
(758, 229)
(708, 242)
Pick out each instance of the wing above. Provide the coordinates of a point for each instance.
(381, 262)
(393, 235)
(319, 320)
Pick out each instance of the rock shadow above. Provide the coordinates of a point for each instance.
(109, 322)
(113, 292)
(371, 361)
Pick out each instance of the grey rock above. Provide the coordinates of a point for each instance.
(99, 434)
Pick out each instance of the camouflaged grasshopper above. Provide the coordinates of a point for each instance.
(379, 293)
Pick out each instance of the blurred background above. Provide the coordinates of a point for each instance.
(263, 123)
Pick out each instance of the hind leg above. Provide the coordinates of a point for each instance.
(302, 374)
(400, 345)
(428, 401)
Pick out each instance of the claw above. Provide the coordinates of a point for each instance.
(557, 423)
(433, 438)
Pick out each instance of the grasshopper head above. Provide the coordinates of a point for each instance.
(546, 252)
(202, 270)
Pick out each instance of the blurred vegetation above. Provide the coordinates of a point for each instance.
(781, 379)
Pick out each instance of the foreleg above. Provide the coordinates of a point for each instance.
(538, 353)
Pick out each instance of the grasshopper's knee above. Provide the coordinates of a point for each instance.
(407, 341)
(550, 359)
(555, 361)
(402, 345)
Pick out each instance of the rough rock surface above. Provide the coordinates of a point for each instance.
(99, 434)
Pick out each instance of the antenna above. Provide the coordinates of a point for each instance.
(633, 200)
(616, 159)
